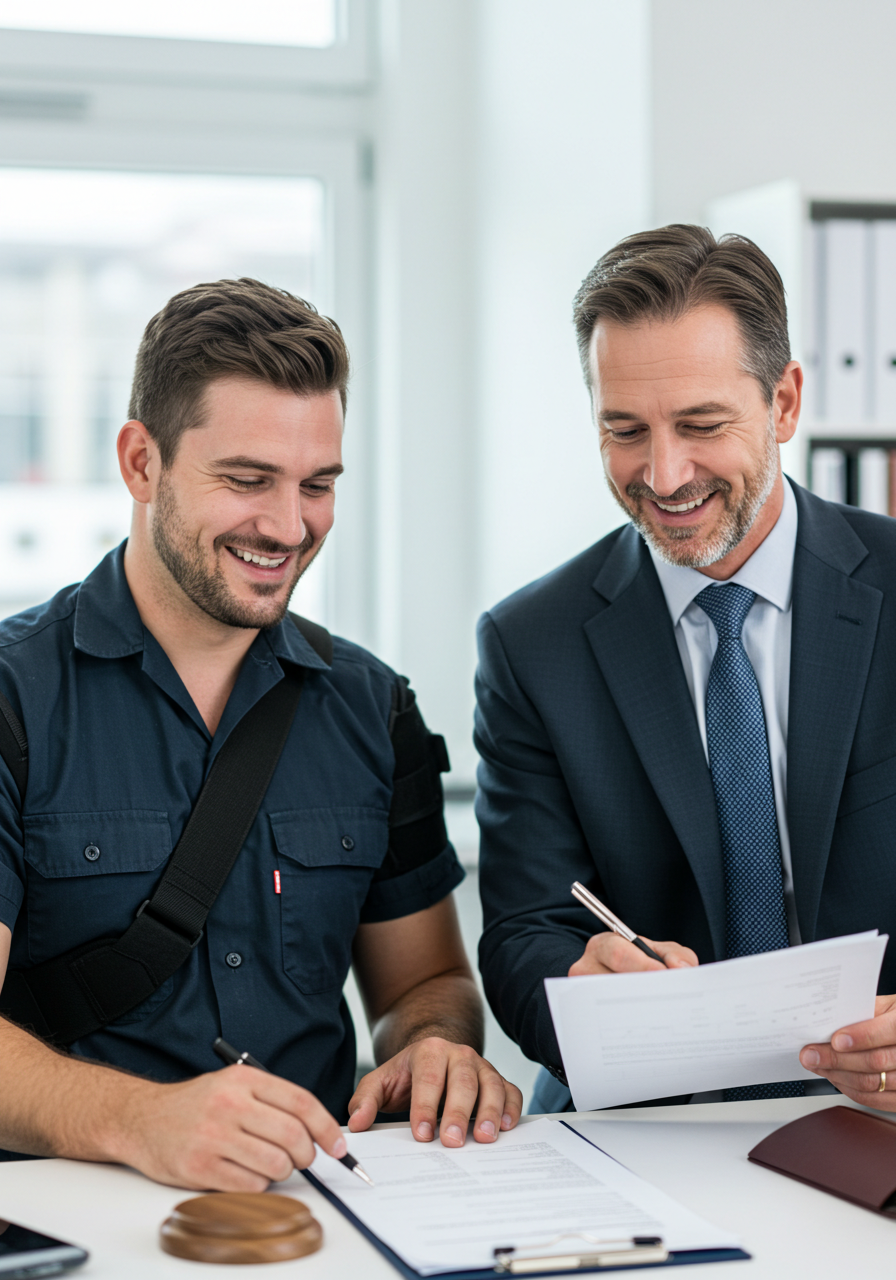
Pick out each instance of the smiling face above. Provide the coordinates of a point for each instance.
(689, 444)
(248, 499)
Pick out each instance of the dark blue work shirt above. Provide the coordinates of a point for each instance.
(118, 755)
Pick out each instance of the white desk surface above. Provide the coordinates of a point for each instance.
(696, 1153)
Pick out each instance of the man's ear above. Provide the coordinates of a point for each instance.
(137, 452)
(787, 402)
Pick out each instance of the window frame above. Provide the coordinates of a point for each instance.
(53, 55)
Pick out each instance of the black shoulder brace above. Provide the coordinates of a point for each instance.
(416, 819)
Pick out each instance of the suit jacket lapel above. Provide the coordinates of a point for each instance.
(834, 629)
(634, 643)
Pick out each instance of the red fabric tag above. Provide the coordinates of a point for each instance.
(276, 882)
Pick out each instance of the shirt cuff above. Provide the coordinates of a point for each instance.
(415, 890)
(12, 891)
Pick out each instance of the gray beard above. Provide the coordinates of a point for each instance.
(208, 589)
(672, 547)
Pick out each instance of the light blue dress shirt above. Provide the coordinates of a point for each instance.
(766, 638)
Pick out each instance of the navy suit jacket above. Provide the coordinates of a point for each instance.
(592, 767)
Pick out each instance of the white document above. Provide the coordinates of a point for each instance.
(628, 1037)
(444, 1210)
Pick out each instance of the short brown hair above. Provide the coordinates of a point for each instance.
(662, 274)
(232, 327)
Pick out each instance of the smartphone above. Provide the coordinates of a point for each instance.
(24, 1252)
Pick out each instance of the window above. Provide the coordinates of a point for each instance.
(155, 161)
(86, 258)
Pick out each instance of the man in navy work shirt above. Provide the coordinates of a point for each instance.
(128, 686)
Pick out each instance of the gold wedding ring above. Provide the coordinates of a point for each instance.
(883, 1082)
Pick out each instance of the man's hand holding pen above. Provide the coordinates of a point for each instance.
(238, 1129)
(620, 950)
(609, 953)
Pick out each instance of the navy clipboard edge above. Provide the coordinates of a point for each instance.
(674, 1260)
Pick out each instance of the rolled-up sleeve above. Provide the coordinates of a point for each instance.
(415, 890)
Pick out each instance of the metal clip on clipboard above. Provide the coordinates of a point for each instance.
(632, 1251)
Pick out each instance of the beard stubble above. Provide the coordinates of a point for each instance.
(673, 546)
(207, 587)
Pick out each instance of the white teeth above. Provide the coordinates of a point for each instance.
(684, 506)
(263, 561)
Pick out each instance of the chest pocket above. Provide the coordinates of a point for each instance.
(327, 858)
(88, 874)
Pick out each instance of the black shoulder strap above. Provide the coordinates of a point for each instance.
(14, 745)
(81, 991)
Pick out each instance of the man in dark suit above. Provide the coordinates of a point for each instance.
(695, 716)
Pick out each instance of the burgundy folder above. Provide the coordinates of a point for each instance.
(849, 1153)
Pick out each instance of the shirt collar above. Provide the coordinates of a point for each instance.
(108, 625)
(287, 642)
(768, 572)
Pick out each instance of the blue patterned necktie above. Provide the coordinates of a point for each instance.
(755, 918)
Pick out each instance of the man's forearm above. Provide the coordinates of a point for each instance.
(448, 1006)
(52, 1104)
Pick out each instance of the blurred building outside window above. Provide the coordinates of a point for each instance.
(86, 258)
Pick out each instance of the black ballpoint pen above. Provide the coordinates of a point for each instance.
(229, 1055)
(606, 916)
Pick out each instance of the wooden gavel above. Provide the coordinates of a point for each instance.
(241, 1227)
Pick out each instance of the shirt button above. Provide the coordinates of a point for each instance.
(348, 843)
(234, 959)
(92, 852)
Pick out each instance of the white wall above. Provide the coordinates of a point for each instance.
(424, 335)
(751, 91)
(564, 173)
(507, 164)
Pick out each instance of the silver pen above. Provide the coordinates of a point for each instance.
(229, 1055)
(606, 916)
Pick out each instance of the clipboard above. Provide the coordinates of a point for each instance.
(638, 1256)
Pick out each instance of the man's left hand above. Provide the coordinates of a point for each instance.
(857, 1055)
(429, 1071)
